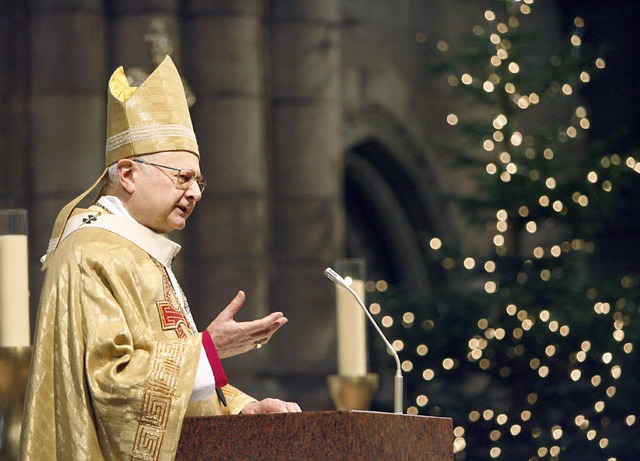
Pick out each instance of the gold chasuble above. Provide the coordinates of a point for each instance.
(115, 358)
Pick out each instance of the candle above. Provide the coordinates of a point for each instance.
(351, 321)
(352, 340)
(14, 281)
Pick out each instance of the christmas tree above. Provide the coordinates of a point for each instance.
(530, 347)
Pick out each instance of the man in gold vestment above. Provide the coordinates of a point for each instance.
(118, 361)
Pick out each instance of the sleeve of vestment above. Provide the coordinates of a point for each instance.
(205, 383)
(140, 377)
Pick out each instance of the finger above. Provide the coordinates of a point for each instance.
(234, 306)
(263, 326)
(293, 407)
(278, 322)
(262, 339)
(273, 328)
(259, 408)
(278, 406)
(288, 407)
(269, 331)
(250, 408)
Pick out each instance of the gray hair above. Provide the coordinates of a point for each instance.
(112, 172)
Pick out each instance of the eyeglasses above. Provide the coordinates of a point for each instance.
(183, 179)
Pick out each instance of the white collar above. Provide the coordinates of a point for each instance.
(114, 205)
(158, 246)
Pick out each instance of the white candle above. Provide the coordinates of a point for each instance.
(14, 291)
(352, 338)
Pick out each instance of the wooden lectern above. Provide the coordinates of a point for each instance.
(321, 435)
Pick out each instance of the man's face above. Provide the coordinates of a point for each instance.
(156, 202)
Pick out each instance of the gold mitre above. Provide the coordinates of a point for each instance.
(151, 118)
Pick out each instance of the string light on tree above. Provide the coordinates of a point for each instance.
(529, 351)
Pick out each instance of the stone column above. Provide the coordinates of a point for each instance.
(67, 110)
(306, 121)
(131, 28)
(14, 86)
(224, 54)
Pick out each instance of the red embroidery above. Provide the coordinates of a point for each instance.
(172, 319)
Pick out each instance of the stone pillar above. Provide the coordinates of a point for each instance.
(13, 117)
(67, 110)
(224, 54)
(306, 121)
(130, 30)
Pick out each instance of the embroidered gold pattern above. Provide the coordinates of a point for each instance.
(147, 443)
(156, 403)
(167, 287)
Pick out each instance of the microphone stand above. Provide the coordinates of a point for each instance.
(397, 381)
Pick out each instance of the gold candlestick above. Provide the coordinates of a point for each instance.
(353, 392)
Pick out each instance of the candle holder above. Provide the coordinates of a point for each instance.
(353, 392)
(14, 373)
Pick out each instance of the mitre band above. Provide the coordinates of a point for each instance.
(158, 134)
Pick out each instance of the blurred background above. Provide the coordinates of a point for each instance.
(480, 155)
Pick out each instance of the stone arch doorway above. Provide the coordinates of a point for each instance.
(386, 217)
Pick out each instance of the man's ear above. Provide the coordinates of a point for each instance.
(127, 175)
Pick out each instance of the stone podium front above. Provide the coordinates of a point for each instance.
(323, 435)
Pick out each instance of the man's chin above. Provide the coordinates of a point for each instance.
(170, 226)
(178, 224)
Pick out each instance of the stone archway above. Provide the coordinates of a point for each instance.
(392, 200)
(378, 224)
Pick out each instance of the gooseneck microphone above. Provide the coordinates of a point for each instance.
(397, 388)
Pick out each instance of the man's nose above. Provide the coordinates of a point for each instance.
(194, 191)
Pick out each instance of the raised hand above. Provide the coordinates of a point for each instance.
(234, 338)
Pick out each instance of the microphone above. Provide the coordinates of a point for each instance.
(397, 382)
